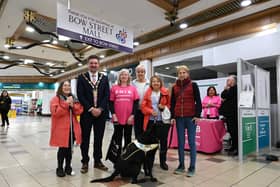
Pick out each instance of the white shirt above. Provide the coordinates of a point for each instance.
(91, 74)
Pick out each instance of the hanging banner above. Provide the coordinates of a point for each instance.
(248, 119)
(88, 29)
(263, 128)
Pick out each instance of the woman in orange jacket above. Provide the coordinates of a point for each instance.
(155, 100)
(64, 130)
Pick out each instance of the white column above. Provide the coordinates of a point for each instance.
(148, 67)
(278, 97)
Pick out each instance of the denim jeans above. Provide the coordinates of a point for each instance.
(181, 124)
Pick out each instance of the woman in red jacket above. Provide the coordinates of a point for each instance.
(64, 106)
(155, 100)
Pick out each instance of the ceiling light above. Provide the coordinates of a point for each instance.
(28, 61)
(18, 47)
(167, 68)
(54, 42)
(80, 64)
(246, 3)
(6, 57)
(45, 41)
(49, 64)
(183, 25)
(29, 29)
(51, 75)
(6, 45)
(102, 56)
(63, 38)
(62, 71)
(136, 43)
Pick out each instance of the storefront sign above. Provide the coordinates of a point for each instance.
(92, 30)
(263, 128)
(248, 118)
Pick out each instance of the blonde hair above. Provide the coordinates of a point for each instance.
(183, 67)
(124, 70)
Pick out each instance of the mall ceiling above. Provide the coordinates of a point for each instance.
(152, 22)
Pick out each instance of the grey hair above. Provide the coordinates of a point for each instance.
(233, 77)
(140, 66)
(122, 71)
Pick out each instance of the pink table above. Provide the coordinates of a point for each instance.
(209, 136)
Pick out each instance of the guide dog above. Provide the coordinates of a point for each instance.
(139, 152)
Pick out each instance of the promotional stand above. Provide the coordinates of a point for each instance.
(254, 129)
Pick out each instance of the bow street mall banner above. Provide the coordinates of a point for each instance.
(86, 28)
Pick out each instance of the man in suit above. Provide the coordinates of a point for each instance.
(93, 93)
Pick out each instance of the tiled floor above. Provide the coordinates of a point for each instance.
(26, 160)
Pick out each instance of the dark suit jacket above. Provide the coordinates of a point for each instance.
(229, 106)
(85, 95)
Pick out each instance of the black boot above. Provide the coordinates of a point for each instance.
(68, 168)
(162, 158)
(163, 165)
(60, 172)
(60, 160)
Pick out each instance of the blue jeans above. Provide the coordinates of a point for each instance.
(181, 124)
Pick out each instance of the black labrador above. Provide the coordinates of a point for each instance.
(138, 153)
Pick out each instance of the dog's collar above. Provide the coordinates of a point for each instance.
(145, 147)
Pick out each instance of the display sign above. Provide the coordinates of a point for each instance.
(86, 28)
(248, 118)
(263, 128)
(263, 89)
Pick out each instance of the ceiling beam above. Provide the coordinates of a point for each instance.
(163, 4)
(185, 3)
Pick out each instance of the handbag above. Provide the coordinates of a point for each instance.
(166, 115)
(113, 152)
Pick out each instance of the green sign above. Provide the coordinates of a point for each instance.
(27, 86)
(248, 133)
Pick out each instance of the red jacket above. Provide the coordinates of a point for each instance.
(146, 105)
(60, 122)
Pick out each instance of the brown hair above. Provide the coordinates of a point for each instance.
(93, 57)
(155, 77)
(59, 90)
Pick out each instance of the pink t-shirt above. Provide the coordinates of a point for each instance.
(123, 98)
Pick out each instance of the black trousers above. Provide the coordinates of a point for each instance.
(65, 153)
(232, 126)
(4, 117)
(121, 131)
(98, 126)
(138, 123)
(162, 134)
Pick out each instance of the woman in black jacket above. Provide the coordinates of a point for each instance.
(5, 106)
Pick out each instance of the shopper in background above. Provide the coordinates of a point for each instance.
(5, 106)
(155, 100)
(229, 111)
(186, 109)
(93, 93)
(141, 84)
(124, 101)
(65, 127)
(211, 104)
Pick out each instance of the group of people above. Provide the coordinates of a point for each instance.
(5, 106)
(138, 103)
